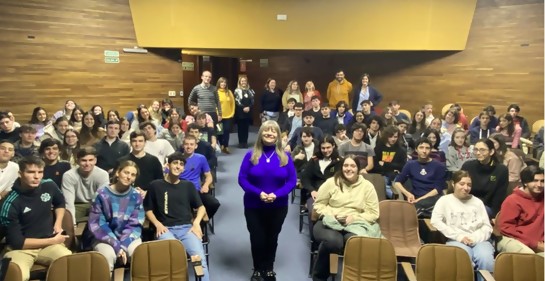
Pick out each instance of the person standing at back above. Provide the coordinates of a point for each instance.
(244, 98)
(206, 96)
(338, 90)
(267, 175)
(365, 92)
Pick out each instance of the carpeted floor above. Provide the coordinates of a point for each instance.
(230, 258)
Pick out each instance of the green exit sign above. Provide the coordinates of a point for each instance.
(108, 53)
(111, 60)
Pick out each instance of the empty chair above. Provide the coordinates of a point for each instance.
(87, 266)
(516, 266)
(440, 262)
(378, 182)
(399, 224)
(369, 259)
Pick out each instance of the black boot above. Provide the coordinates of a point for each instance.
(269, 275)
(257, 276)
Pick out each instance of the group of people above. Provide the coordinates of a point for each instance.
(157, 163)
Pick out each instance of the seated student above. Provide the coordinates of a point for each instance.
(388, 118)
(32, 232)
(444, 136)
(347, 205)
(203, 148)
(116, 217)
(389, 158)
(169, 207)
(394, 105)
(367, 111)
(462, 118)
(418, 125)
(521, 219)
(364, 152)
(9, 169)
(110, 148)
(27, 144)
(315, 110)
(196, 168)
(285, 115)
(79, 185)
(374, 125)
(132, 115)
(462, 219)
(302, 154)
(8, 130)
(192, 115)
(54, 168)
(406, 140)
(294, 122)
(325, 121)
(482, 131)
(488, 175)
(340, 136)
(510, 130)
(459, 151)
(427, 178)
(159, 148)
(512, 161)
(320, 167)
(342, 114)
(435, 138)
(308, 121)
(428, 112)
(56, 130)
(538, 144)
(207, 134)
(514, 111)
(450, 121)
(149, 166)
(476, 123)
(174, 135)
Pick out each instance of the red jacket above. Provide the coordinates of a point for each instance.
(522, 218)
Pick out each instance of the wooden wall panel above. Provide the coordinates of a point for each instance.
(502, 64)
(65, 60)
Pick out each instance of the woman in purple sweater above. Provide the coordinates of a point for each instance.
(267, 175)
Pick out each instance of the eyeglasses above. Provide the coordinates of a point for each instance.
(480, 150)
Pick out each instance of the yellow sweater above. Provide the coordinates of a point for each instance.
(337, 92)
(227, 101)
(358, 200)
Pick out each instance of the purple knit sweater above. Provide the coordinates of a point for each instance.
(266, 177)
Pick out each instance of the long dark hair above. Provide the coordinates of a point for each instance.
(339, 177)
(502, 150)
(422, 124)
(429, 131)
(34, 117)
(389, 132)
(510, 126)
(327, 139)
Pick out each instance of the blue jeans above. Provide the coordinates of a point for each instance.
(192, 244)
(388, 183)
(481, 254)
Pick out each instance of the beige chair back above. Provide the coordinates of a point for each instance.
(517, 266)
(378, 182)
(444, 110)
(159, 260)
(369, 259)
(399, 224)
(87, 266)
(406, 112)
(537, 125)
(443, 262)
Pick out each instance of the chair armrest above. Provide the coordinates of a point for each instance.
(333, 264)
(429, 225)
(486, 275)
(197, 266)
(314, 216)
(409, 272)
(119, 274)
(78, 231)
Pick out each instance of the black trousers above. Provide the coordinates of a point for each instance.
(227, 125)
(331, 241)
(211, 204)
(243, 127)
(264, 226)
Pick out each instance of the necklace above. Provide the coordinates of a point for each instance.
(268, 160)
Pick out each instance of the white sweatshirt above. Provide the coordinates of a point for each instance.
(457, 219)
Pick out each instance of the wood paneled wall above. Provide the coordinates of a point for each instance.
(502, 64)
(65, 59)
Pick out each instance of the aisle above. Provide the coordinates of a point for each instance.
(230, 258)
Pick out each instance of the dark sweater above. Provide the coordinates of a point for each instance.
(149, 167)
(268, 178)
(394, 158)
(424, 176)
(107, 154)
(313, 177)
(271, 101)
(26, 213)
(55, 172)
(12, 136)
(489, 183)
(326, 124)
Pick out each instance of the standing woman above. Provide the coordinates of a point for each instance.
(227, 101)
(116, 217)
(39, 120)
(292, 91)
(490, 178)
(310, 91)
(271, 101)
(509, 130)
(267, 176)
(244, 98)
(365, 92)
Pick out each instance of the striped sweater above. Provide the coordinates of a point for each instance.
(207, 98)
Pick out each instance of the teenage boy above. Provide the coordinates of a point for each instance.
(315, 109)
(482, 131)
(364, 152)
(427, 177)
(294, 122)
(283, 117)
(325, 121)
(367, 111)
(9, 170)
(159, 148)
(169, 207)
(111, 148)
(308, 121)
(27, 144)
(54, 168)
(394, 105)
(33, 233)
(8, 130)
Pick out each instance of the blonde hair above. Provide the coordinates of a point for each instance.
(220, 80)
(155, 115)
(289, 91)
(311, 88)
(247, 83)
(258, 146)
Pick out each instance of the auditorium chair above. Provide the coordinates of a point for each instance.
(440, 262)
(516, 266)
(406, 112)
(369, 259)
(163, 260)
(87, 266)
(399, 224)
